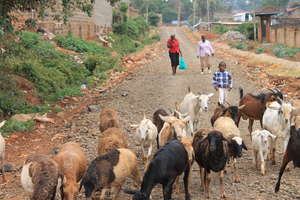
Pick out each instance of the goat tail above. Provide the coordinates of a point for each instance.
(241, 92)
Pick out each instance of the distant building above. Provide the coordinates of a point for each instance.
(242, 17)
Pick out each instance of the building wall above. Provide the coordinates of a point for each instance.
(80, 24)
(286, 34)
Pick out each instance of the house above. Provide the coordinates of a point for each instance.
(264, 23)
(242, 17)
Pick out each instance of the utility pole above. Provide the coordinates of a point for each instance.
(254, 20)
(179, 12)
(207, 1)
(147, 10)
(194, 11)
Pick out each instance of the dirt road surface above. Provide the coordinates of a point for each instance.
(153, 87)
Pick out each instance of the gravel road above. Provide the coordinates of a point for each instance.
(151, 87)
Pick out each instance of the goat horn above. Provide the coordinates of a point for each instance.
(273, 91)
(176, 106)
(144, 115)
(241, 107)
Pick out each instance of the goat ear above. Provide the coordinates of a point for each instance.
(272, 136)
(127, 191)
(210, 95)
(176, 106)
(244, 146)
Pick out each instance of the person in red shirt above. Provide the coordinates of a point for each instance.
(174, 51)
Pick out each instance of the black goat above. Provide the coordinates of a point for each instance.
(211, 153)
(292, 153)
(167, 164)
(223, 111)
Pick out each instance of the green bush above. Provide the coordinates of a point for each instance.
(29, 39)
(133, 28)
(282, 51)
(153, 19)
(14, 126)
(62, 93)
(240, 45)
(247, 29)
(124, 45)
(260, 50)
(10, 96)
(27, 109)
(80, 46)
(220, 29)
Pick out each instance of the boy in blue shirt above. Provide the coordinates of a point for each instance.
(222, 82)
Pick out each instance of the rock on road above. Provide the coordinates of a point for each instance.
(151, 87)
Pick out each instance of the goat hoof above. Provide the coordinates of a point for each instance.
(223, 196)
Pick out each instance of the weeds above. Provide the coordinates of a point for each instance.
(14, 126)
(260, 50)
(62, 93)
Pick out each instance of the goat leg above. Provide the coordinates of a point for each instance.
(262, 163)
(115, 191)
(135, 175)
(250, 127)
(236, 177)
(222, 185)
(167, 189)
(186, 183)
(207, 182)
(202, 184)
(3, 170)
(285, 161)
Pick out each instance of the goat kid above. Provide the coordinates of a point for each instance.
(72, 163)
(146, 131)
(261, 145)
(170, 161)
(39, 177)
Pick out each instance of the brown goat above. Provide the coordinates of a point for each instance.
(255, 106)
(223, 111)
(158, 122)
(112, 138)
(108, 119)
(39, 177)
(72, 163)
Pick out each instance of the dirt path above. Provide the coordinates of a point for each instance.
(153, 87)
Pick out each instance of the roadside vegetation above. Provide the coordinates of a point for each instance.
(51, 73)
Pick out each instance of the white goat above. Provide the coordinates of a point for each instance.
(2, 152)
(146, 131)
(192, 105)
(261, 143)
(277, 120)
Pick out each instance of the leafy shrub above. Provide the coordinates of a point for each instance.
(240, 45)
(80, 46)
(133, 28)
(260, 50)
(27, 109)
(123, 7)
(10, 97)
(29, 39)
(99, 64)
(124, 45)
(30, 23)
(282, 51)
(14, 126)
(220, 29)
(247, 29)
(62, 93)
(153, 19)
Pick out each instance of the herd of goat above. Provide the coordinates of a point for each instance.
(179, 141)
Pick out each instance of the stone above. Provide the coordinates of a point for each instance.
(94, 108)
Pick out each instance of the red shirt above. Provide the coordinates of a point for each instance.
(174, 46)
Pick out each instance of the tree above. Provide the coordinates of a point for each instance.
(169, 14)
